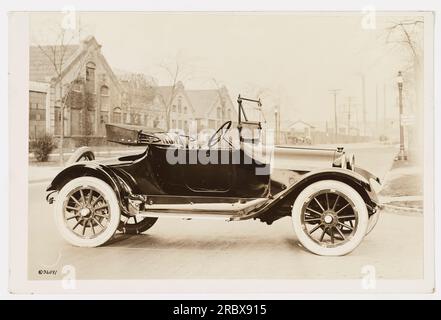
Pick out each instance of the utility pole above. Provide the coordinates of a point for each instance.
(334, 92)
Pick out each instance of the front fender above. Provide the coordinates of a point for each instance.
(282, 202)
(359, 179)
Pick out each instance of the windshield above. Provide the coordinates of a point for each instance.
(251, 110)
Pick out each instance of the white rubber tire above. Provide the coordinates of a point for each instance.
(114, 210)
(360, 206)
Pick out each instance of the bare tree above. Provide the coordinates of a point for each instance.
(407, 33)
(57, 55)
(177, 72)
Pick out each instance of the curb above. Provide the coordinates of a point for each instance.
(402, 210)
(39, 180)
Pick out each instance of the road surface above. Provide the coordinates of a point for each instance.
(228, 250)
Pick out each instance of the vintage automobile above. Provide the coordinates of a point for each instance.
(333, 204)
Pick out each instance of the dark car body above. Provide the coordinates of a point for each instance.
(150, 183)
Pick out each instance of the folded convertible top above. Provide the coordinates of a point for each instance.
(136, 135)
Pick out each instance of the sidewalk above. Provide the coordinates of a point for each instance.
(403, 187)
(38, 174)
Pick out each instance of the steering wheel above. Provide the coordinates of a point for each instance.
(218, 135)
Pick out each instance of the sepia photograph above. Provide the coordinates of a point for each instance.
(217, 146)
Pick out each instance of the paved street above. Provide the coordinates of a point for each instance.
(211, 249)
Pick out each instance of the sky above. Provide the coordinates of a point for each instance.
(294, 59)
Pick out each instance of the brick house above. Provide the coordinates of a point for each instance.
(90, 91)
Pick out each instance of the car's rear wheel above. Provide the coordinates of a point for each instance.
(135, 225)
(87, 212)
(330, 218)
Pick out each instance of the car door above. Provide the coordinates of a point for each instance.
(209, 171)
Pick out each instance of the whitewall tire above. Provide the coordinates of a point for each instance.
(330, 218)
(87, 212)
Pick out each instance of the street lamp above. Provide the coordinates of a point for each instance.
(402, 154)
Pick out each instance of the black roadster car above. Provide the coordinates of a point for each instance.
(332, 203)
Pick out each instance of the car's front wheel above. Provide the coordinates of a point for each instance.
(330, 218)
(87, 212)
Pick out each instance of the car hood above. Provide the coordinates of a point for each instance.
(294, 158)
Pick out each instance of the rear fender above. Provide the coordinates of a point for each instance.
(92, 170)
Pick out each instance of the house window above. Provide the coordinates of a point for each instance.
(116, 116)
(104, 118)
(76, 87)
(89, 123)
(185, 109)
(37, 114)
(173, 124)
(90, 76)
(104, 91)
(104, 101)
(174, 108)
(76, 121)
(229, 114)
(212, 124)
(219, 113)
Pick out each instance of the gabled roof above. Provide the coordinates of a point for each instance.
(165, 92)
(301, 122)
(202, 101)
(41, 69)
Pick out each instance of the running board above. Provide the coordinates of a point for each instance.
(218, 211)
(186, 216)
(228, 208)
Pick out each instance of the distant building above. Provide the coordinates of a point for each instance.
(301, 128)
(138, 99)
(208, 108)
(300, 132)
(93, 95)
(212, 107)
(89, 89)
(176, 102)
